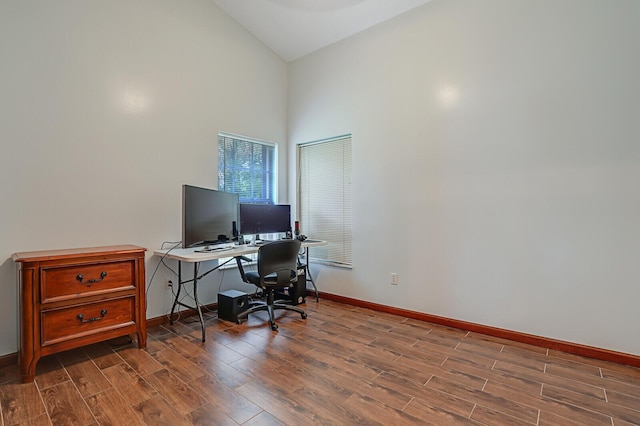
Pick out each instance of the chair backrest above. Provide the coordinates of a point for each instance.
(280, 258)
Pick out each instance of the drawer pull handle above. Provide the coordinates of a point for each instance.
(80, 278)
(102, 314)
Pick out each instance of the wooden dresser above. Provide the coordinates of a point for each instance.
(71, 298)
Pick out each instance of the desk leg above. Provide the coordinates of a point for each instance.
(175, 301)
(195, 297)
(313, 283)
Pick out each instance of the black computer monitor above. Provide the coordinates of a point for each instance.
(264, 218)
(208, 216)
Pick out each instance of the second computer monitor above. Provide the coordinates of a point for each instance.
(259, 219)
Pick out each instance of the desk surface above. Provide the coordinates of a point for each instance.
(192, 255)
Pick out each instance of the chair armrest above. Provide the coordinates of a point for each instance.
(239, 260)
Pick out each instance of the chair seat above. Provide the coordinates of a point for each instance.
(254, 278)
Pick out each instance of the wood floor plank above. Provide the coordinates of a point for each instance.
(488, 416)
(337, 388)
(209, 415)
(66, 406)
(110, 409)
(211, 357)
(262, 419)
(284, 408)
(625, 374)
(624, 400)
(531, 387)
(418, 323)
(409, 350)
(177, 393)
(551, 407)
(424, 410)
(598, 405)
(158, 412)
(154, 346)
(580, 373)
(102, 355)
(140, 361)
(341, 341)
(618, 422)
(581, 415)
(287, 379)
(555, 354)
(550, 419)
(550, 379)
(496, 402)
(468, 380)
(87, 377)
(50, 372)
(326, 360)
(474, 364)
(508, 345)
(409, 330)
(20, 402)
(129, 383)
(376, 357)
(180, 366)
(520, 359)
(439, 401)
(41, 420)
(621, 387)
(324, 407)
(225, 399)
(411, 368)
(185, 346)
(375, 413)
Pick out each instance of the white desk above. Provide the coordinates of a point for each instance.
(195, 256)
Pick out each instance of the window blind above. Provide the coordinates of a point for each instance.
(324, 194)
(247, 167)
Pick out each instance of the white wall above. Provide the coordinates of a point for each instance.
(106, 109)
(496, 150)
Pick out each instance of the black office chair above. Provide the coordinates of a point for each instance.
(277, 269)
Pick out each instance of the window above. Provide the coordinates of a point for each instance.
(247, 167)
(324, 197)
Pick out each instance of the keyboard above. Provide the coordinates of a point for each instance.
(209, 249)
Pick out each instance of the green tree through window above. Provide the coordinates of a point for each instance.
(247, 167)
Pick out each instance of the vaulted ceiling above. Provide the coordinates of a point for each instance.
(295, 28)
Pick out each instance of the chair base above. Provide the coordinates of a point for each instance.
(270, 308)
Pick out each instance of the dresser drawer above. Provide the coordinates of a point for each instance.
(82, 320)
(72, 281)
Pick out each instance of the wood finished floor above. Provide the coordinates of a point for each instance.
(342, 366)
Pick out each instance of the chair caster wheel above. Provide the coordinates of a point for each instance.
(239, 321)
(304, 316)
(274, 327)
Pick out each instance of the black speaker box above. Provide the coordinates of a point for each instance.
(297, 294)
(231, 303)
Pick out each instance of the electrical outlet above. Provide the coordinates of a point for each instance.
(168, 284)
(394, 278)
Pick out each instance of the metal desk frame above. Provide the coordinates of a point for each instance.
(190, 255)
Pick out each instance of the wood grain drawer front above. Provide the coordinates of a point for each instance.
(81, 320)
(72, 281)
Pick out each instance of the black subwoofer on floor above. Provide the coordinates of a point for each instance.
(231, 303)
